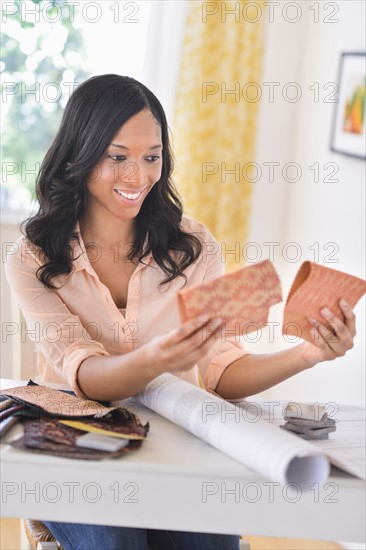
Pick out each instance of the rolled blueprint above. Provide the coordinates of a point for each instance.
(259, 445)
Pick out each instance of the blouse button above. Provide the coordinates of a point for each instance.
(132, 320)
(135, 292)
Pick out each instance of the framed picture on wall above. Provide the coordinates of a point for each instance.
(349, 130)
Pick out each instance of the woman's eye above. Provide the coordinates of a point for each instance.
(121, 158)
(117, 158)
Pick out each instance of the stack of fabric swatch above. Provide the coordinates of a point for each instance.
(60, 424)
(308, 421)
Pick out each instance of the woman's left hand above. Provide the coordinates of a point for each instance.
(333, 340)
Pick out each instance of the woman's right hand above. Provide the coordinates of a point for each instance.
(183, 347)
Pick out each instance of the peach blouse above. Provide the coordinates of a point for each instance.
(80, 319)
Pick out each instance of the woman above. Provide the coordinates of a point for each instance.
(97, 273)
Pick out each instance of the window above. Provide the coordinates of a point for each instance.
(49, 47)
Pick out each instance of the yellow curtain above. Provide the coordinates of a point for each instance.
(215, 117)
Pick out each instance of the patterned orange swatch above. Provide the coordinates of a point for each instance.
(315, 287)
(54, 402)
(243, 297)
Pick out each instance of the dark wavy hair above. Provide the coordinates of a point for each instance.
(94, 113)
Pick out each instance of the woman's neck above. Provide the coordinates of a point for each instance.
(106, 233)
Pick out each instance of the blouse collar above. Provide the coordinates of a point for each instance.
(81, 260)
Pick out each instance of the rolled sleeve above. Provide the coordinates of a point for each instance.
(219, 358)
(72, 362)
(66, 354)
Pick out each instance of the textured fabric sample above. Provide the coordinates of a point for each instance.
(54, 402)
(46, 434)
(316, 286)
(243, 296)
(51, 437)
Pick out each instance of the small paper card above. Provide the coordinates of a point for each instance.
(243, 296)
(100, 442)
(107, 429)
(316, 286)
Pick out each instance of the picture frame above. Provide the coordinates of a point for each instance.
(349, 118)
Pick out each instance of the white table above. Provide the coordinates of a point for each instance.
(176, 481)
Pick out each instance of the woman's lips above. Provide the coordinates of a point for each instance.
(129, 196)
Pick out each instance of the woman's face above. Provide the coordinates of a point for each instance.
(128, 170)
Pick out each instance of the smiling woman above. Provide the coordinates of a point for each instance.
(105, 183)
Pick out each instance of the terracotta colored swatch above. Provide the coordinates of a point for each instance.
(243, 297)
(315, 287)
(54, 402)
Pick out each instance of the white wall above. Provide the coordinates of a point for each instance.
(307, 212)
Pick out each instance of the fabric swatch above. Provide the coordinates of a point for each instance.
(243, 296)
(11, 411)
(48, 436)
(316, 286)
(55, 402)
